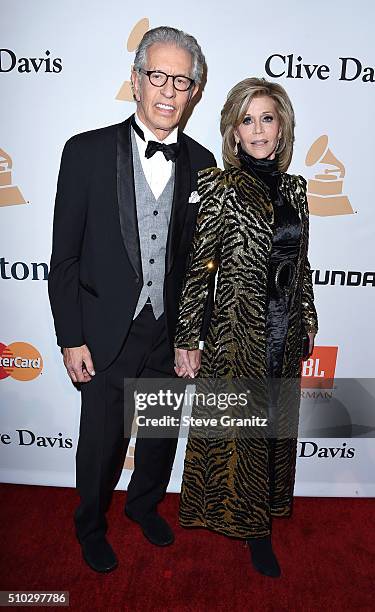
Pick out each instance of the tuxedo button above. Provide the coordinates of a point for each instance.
(153, 236)
(155, 212)
(149, 283)
(152, 260)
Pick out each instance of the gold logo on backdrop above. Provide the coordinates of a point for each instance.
(141, 27)
(9, 194)
(324, 191)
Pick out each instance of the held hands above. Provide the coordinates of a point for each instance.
(187, 363)
(78, 363)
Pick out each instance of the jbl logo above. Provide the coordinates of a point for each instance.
(319, 370)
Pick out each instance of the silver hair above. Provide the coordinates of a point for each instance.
(171, 36)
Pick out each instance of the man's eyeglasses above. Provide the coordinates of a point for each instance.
(158, 79)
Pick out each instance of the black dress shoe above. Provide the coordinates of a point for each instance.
(155, 529)
(99, 555)
(263, 557)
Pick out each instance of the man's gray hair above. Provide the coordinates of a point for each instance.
(171, 36)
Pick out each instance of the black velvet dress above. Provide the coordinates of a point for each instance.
(284, 254)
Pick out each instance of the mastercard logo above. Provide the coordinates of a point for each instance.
(20, 360)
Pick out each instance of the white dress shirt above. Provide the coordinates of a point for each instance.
(157, 169)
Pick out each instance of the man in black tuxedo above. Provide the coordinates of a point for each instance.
(123, 227)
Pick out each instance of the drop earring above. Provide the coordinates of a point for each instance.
(235, 150)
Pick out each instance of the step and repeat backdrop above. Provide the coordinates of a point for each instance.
(64, 69)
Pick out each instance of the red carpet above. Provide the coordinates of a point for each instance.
(326, 552)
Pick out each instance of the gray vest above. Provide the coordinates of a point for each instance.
(153, 221)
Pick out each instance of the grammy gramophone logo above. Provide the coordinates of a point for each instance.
(9, 194)
(141, 27)
(325, 191)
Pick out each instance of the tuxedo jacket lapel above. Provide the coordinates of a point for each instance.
(126, 198)
(180, 202)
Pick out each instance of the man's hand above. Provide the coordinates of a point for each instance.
(78, 363)
(187, 363)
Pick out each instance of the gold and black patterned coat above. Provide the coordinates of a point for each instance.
(227, 484)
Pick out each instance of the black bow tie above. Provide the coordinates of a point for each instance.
(170, 151)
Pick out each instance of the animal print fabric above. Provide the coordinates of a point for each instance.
(235, 486)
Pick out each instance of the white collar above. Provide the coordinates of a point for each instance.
(171, 138)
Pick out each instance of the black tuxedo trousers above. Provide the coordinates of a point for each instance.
(102, 446)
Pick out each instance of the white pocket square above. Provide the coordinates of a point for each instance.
(194, 197)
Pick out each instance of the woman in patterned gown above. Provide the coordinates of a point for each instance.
(253, 227)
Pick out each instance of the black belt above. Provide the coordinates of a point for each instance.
(281, 277)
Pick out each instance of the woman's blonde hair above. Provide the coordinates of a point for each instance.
(234, 111)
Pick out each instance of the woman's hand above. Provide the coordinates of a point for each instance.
(311, 336)
(187, 363)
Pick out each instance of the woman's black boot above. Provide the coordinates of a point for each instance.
(263, 557)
